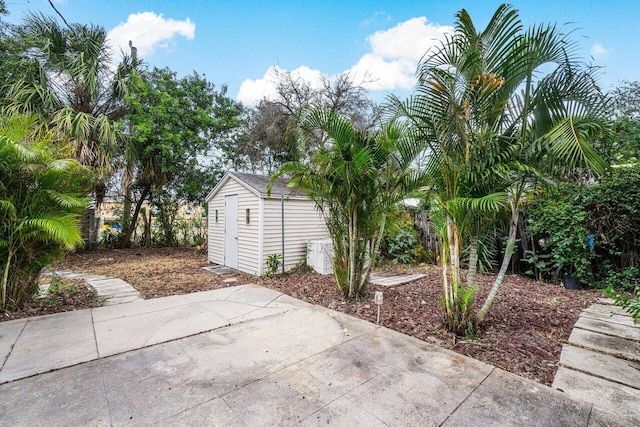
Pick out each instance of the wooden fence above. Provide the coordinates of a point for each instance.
(427, 233)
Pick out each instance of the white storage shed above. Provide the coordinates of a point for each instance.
(245, 225)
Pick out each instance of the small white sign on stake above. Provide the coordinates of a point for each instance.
(377, 298)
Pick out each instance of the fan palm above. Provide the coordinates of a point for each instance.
(491, 123)
(68, 80)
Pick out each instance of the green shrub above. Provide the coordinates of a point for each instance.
(627, 279)
(557, 219)
(41, 200)
(274, 262)
(401, 243)
(401, 247)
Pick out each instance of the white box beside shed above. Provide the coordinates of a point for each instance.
(245, 225)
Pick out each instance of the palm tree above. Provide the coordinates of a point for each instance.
(491, 122)
(40, 204)
(354, 178)
(68, 80)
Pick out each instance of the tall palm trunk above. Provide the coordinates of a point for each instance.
(352, 252)
(5, 276)
(374, 251)
(506, 260)
(473, 261)
(454, 256)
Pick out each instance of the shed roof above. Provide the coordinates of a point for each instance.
(257, 184)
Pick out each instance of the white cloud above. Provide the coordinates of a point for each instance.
(149, 32)
(252, 91)
(599, 51)
(390, 64)
(395, 53)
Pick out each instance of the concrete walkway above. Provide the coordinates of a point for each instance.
(114, 291)
(251, 356)
(601, 362)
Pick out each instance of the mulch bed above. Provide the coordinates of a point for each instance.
(73, 295)
(523, 333)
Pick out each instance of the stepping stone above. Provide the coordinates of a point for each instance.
(618, 319)
(116, 292)
(230, 280)
(607, 309)
(613, 398)
(219, 270)
(113, 290)
(628, 349)
(601, 365)
(393, 279)
(608, 328)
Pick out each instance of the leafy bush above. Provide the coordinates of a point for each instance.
(110, 238)
(401, 247)
(401, 241)
(627, 279)
(41, 200)
(614, 217)
(557, 218)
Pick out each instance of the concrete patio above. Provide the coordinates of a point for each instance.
(251, 356)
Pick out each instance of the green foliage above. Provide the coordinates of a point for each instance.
(40, 205)
(402, 247)
(494, 119)
(66, 76)
(354, 178)
(609, 210)
(627, 279)
(614, 216)
(539, 263)
(629, 304)
(274, 262)
(110, 238)
(401, 239)
(463, 321)
(172, 123)
(558, 217)
(56, 284)
(623, 146)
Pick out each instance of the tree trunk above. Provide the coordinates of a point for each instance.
(508, 252)
(134, 219)
(5, 276)
(352, 255)
(454, 257)
(126, 212)
(473, 261)
(147, 230)
(374, 252)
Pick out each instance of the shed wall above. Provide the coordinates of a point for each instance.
(302, 223)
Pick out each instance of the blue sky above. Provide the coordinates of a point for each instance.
(237, 42)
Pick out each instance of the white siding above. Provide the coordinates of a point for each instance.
(248, 235)
(302, 223)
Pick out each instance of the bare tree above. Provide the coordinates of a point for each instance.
(270, 138)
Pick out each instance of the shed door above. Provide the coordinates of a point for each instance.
(231, 231)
